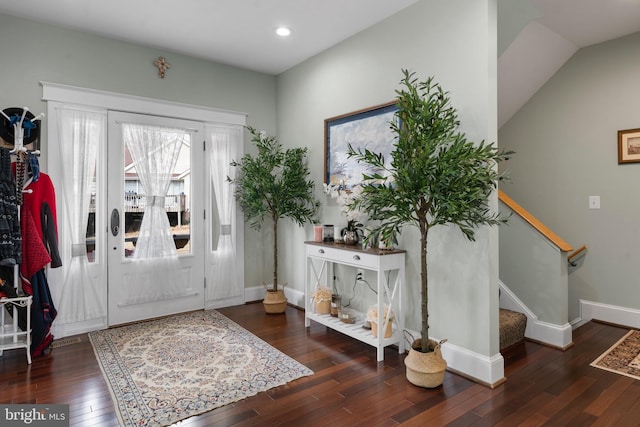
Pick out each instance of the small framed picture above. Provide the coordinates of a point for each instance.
(369, 128)
(629, 146)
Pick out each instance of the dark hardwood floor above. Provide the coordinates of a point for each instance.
(544, 386)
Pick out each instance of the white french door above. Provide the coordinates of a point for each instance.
(102, 282)
(155, 243)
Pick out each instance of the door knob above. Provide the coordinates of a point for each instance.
(115, 222)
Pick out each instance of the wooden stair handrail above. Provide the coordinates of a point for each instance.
(542, 229)
(579, 252)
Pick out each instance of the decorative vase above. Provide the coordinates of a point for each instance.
(275, 302)
(425, 369)
(350, 237)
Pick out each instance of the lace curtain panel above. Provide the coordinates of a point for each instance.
(80, 134)
(225, 142)
(154, 151)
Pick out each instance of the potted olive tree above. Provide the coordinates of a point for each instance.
(435, 176)
(274, 185)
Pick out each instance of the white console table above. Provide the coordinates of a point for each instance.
(321, 258)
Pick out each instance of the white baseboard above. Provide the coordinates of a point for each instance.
(487, 370)
(256, 293)
(560, 336)
(548, 333)
(226, 302)
(590, 310)
(70, 329)
(483, 369)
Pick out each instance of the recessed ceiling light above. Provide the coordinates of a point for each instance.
(283, 31)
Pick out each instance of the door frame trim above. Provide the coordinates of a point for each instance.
(106, 100)
(138, 104)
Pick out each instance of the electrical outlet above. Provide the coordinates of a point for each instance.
(360, 274)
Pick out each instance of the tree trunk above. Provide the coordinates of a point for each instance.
(424, 331)
(275, 253)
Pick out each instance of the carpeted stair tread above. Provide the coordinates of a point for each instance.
(512, 327)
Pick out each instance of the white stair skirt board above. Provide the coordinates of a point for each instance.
(559, 336)
(590, 310)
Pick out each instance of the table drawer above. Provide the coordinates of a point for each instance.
(347, 257)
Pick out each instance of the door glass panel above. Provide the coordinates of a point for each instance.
(156, 182)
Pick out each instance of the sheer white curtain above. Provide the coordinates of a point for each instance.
(80, 133)
(154, 151)
(225, 142)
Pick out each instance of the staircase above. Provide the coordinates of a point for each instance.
(534, 267)
(512, 327)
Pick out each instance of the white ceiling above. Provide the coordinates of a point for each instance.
(560, 28)
(233, 32)
(240, 32)
(587, 22)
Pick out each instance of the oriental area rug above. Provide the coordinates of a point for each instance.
(623, 357)
(165, 370)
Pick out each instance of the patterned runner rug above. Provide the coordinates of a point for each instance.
(166, 370)
(623, 357)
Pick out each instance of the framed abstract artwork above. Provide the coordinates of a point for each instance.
(369, 128)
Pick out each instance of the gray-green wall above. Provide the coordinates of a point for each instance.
(36, 52)
(566, 143)
(455, 42)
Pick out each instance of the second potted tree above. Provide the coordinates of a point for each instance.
(436, 176)
(274, 185)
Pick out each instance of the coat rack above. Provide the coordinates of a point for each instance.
(19, 126)
(11, 336)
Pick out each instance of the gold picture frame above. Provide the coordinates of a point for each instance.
(629, 146)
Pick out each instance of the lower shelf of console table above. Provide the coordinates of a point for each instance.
(357, 331)
(320, 260)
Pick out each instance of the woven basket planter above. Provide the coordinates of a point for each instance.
(425, 369)
(275, 302)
